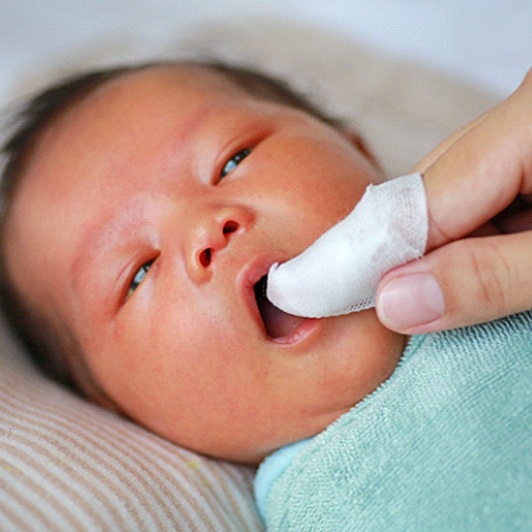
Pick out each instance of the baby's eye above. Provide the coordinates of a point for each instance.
(234, 161)
(138, 278)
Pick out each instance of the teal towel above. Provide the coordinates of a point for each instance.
(444, 444)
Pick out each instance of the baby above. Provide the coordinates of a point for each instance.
(143, 208)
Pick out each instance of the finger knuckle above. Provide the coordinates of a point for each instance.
(493, 273)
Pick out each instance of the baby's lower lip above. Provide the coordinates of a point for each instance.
(298, 334)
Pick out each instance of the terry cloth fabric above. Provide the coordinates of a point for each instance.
(444, 444)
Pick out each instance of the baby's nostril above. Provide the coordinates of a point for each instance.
(205, 257)
(230, 227)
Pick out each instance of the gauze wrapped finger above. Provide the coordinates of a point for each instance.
(339, 273)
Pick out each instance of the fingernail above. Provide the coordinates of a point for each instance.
(411, 300)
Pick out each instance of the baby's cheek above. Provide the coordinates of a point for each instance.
(378, 349)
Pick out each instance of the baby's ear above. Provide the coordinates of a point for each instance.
(361, 145)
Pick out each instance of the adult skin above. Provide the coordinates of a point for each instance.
(479, 192)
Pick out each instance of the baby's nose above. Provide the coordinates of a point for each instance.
(220, 240)
(211, 235)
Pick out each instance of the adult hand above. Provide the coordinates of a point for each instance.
(478, 265)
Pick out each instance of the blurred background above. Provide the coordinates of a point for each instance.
(485, 43)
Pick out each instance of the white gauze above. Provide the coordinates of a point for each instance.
(339, 273)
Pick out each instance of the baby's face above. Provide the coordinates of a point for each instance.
(148, 213)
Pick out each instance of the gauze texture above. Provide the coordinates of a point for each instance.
(339, 273)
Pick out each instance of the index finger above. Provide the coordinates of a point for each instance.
(480, 170)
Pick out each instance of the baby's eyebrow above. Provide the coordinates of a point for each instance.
(104, 238)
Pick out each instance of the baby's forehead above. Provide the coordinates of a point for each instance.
(152, 81)
(149, 84)
(131, 94)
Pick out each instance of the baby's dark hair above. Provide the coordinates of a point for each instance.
(52, 345)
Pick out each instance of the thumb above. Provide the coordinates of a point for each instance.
(465, 282)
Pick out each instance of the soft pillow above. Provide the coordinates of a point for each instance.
(68, 465)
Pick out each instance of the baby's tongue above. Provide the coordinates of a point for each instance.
(278, 324)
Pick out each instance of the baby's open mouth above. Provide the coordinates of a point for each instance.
(278, 324)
